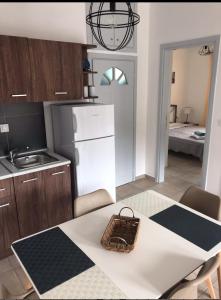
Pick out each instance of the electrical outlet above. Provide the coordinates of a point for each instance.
(4, 128)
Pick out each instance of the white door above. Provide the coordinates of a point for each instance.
(93, 121)
(95, 165)
(115, 84)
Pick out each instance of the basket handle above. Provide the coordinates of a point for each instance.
(119, 238)
(124, 208)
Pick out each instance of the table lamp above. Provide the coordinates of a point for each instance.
(187, 111)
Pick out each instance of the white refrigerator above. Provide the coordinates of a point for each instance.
(84, 133)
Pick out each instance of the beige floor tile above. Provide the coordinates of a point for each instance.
(143, 184)
(178, 182)
(168, 189)
(127, 190)
(177, 196)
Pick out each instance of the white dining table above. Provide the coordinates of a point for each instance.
(160, 259)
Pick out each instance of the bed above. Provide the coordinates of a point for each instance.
(180, 139)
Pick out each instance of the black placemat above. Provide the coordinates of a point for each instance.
(190, 226)
(51, 258)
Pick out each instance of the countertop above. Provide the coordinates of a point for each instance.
(7, 170)
(4, 173)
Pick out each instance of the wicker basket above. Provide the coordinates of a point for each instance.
(121, 233)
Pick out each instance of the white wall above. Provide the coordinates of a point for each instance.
(191, 83)
(171, 22)
(142, 86)
(55, 21)
(66, 22)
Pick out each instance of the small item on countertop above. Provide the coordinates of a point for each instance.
(91, 90)
(85, 91)
(121, 233)
(86, 65)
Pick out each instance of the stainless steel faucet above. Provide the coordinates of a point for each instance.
(12, 154)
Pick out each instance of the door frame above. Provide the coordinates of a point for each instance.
(124, 57)
(164, 100)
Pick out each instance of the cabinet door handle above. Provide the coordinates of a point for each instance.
(4, 205)
(58, 173)
(61, 93)
(2, 190)
(19, 95)
(29, 180)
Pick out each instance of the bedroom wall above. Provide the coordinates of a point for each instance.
(191, 83)
(178, 89)
(171, 22)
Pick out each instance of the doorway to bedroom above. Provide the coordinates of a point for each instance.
(187, 84)
(188, 110)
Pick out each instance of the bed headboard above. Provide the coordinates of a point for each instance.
(173, 113)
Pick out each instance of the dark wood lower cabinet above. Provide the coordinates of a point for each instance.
(58, 195)
(30, 199)
(33, 202)
(9, 230)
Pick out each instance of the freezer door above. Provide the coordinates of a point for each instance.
(93, 121)
(95, 166)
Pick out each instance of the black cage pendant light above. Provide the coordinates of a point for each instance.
(104, 16)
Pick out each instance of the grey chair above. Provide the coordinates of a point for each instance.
(92, 201)
(202, 201)
(207, 204)
(188, 289)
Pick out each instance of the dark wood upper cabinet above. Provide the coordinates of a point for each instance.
(70, 76)
(41, 61)
(9, 230)
(58, 195)
(15, 73)
(29, 193)
(56, 70)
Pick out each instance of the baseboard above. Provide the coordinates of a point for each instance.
(145, 176)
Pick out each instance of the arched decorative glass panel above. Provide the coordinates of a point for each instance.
(122, 80)
(117, 73)
(109, 74)
(113, 74)
(105, 81)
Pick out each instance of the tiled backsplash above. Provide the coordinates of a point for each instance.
(26, 127)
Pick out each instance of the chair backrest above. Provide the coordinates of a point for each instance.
(202, 201)
(90, 202)
(188, 289)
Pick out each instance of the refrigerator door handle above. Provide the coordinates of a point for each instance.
(74, 123)
(76, 155)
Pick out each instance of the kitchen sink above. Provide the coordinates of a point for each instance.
(32, 160)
